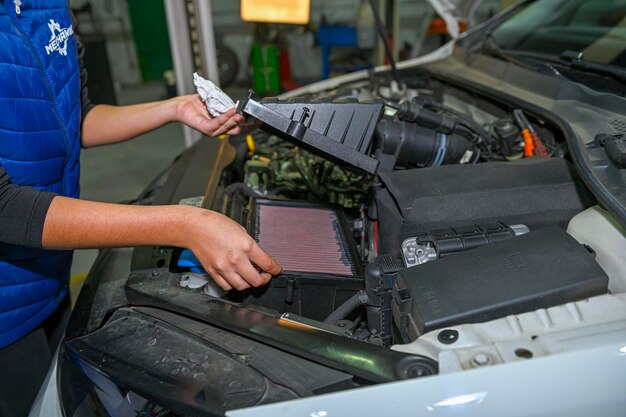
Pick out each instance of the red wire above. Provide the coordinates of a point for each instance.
(376, 235)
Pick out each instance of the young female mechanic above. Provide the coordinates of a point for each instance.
(45, 119)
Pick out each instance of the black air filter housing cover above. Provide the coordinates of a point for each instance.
(535, 192)
(341, 131)
(538, 270)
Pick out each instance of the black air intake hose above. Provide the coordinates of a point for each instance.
(414, 145)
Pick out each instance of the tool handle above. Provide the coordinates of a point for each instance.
(529, 145)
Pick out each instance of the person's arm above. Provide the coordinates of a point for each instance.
(226, 251)
(39, 219)
(22, 213)
(104, 125)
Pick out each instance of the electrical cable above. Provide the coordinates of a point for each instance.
(471, 123)
(239, 187)
(481, 134)
(467, 133)
(347, 307)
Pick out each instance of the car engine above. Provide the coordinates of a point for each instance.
(403, 213)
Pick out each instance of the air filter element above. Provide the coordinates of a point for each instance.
(304, 238)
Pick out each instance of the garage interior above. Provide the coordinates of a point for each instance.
(131, 62)
(342, 207)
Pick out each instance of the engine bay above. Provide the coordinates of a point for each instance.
(401, 214)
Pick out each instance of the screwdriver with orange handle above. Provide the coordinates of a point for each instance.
(532, 144)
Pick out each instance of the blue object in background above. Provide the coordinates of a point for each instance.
(188, 260)
(329, 36)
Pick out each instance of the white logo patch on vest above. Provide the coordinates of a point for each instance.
(60, 36)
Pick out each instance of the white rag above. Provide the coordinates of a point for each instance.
(217, 102)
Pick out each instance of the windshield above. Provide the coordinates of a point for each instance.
(597, 28)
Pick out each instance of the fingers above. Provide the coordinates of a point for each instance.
(263, 261)
(235, 132)
(232, 123)
(193, 113)
(252, 275)
(214, 125)
(219, 280)
(236, 281)
(231, 113)
(226, 123)
(235, 253)
(228, 279)
(241, 274)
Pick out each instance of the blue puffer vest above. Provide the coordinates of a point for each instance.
(40, 115)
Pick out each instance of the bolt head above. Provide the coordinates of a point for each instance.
(481, 359)
(448, 336)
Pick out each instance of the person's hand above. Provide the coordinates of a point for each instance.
(192, 111)
(227, 252)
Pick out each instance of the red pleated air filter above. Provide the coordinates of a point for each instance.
(305, 239)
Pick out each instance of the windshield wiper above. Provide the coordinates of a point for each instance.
(488, 46)
(575, 60)
(572, 60)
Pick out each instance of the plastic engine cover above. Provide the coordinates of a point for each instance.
(537, 193)
(538, 270)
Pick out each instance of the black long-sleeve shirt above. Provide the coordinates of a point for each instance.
(23, 210)
(22, 213)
